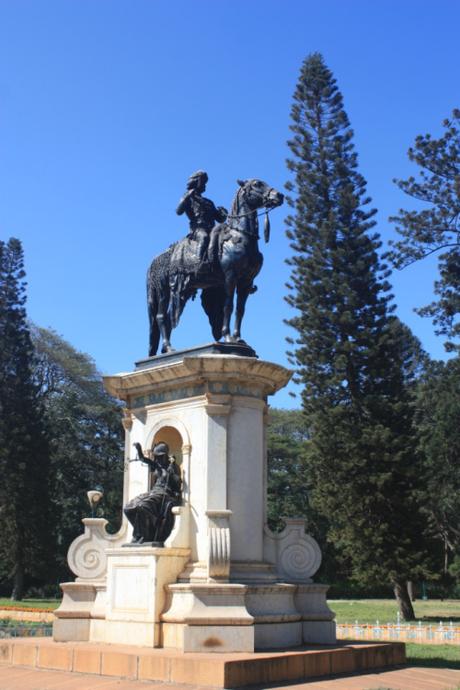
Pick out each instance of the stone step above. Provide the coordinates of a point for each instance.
(203, 669)
(20, 678)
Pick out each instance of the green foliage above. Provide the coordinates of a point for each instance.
(454, 568)
(355, 361)
(60, 435)
(287, 489)
(438, 415)
(289, 484)
(86, 437)
(436, 228)
(433, 655)
(25, 535)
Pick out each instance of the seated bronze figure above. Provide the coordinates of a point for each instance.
(151, 513)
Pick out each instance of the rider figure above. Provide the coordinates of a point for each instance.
(202, 215)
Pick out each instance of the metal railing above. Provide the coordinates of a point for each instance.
(25, 630)
(403, 632)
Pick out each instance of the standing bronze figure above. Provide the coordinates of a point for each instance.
(234, 262)
(150, 513)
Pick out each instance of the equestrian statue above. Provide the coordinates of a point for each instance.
(220, 255)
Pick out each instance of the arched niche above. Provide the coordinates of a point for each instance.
(171, 436)
(172, 431)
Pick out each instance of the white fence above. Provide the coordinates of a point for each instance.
(403, 632)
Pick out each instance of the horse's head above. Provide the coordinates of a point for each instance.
(258, 194)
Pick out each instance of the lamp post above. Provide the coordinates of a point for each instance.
(94, 498)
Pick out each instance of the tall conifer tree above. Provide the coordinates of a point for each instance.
(435, 229)
(25, 533)
(351, 356)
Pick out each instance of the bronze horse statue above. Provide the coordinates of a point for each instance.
(175, 276)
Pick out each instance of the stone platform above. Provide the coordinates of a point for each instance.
(415, 678)
(218, 670)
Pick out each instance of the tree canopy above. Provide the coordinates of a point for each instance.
(86, 436)
(435, 225)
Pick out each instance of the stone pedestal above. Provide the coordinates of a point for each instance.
(223, 582)
(207, 618)
(136, 581)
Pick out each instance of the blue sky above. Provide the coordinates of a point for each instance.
(107, 106)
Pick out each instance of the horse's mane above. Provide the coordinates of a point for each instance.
(236, 203)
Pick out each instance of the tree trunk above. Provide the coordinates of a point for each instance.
(404, 603)
(412, 590)
(18, 587)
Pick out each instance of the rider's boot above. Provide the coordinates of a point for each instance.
(212, 249)
(204, 263)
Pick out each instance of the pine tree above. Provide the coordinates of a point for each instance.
(25, 536)
(351, 355)
(436, 227)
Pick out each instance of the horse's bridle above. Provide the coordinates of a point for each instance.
(249, 213)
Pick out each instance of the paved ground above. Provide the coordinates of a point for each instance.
(20, 678)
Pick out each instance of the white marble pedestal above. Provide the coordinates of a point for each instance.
(223, 582)
(136, 581)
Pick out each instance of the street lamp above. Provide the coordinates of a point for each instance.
(94, 498)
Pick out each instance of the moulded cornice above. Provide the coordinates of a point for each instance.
(248, 371)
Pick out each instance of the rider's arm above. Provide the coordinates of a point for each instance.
(221, 214)
(183, 203)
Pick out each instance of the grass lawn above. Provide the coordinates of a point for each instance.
(433, 655)
(429, 612)
(31, 603)
(384, 610)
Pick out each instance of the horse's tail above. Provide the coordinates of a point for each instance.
(213, 300)
(157, 283)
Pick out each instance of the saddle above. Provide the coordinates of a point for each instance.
(185, 259)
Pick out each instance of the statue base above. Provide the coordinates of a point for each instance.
(223, 581)
(225, 670)
(240, 349)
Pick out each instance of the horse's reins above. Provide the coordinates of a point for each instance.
(250, 234)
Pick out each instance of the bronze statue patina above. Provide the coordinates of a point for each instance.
(150, 513)
(234, 261)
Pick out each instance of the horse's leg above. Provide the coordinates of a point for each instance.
(154, 329)
(168, 329)
(163, 320)
(230, 285)
(242, 295)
